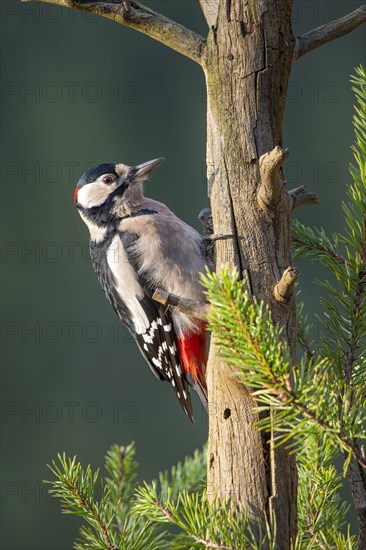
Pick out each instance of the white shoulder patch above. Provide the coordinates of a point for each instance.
(128, 286)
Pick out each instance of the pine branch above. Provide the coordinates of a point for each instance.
(121, 467)
(75, 489)
(356, 220)
(304, 246)
(345, 309)
(314, 243)
(344, 442)
(189, 475)
(203, 524)
(145, 20)
(111, 524)
(88, 507)
(205, 542)
(212, 525)
(251, 342)
(355, 213)
(354, 337)
(303, 329)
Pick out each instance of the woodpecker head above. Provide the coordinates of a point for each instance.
(109, 188)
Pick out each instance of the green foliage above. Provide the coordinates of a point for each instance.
(322, 514)
(344, 255)
(109, 523)
(305, 397)
(316, 407)
(202, 524)
(189, 475)
(142, 518)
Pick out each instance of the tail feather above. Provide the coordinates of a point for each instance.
(194, 359)
(202, 394)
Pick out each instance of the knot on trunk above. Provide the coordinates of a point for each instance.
(272, 184)
(284, 289)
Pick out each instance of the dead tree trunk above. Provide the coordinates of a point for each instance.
(247, 60)
(247, 67)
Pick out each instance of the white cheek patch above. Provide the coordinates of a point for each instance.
(94, 194)
(128, 286)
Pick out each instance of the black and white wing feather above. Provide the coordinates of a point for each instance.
(150, 323)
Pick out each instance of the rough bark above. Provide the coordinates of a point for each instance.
(210, 10)
(143, 19)
(247, 66)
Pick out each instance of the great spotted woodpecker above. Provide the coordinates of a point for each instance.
(137, 245)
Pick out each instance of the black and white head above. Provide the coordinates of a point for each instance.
(109, 188)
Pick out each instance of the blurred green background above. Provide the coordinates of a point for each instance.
(79, 90)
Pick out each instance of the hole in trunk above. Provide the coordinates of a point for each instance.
(227, 413)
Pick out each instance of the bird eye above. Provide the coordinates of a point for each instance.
(108, 180)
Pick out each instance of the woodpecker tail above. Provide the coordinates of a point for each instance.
(194, 359)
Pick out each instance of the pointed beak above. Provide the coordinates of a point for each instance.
(143, 170)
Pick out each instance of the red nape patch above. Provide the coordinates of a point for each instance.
(76, 194)
(193, 354)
